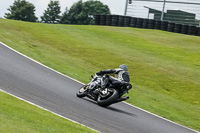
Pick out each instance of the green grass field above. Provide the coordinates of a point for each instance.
(164, 67)
(20, 117)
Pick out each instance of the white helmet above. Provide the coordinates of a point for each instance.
(124, 67)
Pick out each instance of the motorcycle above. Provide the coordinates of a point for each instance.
(104, 95)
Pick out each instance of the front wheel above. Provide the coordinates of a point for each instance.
(82, 91)
(108, 101)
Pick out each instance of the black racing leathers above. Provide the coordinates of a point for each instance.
(122, 77)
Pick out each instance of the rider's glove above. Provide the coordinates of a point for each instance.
(99, 73)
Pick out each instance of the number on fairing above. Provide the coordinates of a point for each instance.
(105, 91)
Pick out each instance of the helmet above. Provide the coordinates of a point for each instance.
(124, 67)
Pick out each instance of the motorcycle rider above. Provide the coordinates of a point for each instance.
(122, 78)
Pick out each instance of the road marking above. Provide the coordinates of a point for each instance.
(46, 109)
(83, 84)
(39, 105)
(161, 117)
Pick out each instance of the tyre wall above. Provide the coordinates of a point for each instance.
(127, 21)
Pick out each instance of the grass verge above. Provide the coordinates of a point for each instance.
(18, 116)
(164, 67)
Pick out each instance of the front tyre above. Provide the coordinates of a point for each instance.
(108, 101)
(82, 91)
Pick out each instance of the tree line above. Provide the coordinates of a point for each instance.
(79, 13)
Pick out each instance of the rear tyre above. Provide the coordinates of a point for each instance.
(108, 101)
(82, 92)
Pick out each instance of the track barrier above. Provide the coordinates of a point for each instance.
(136, 22)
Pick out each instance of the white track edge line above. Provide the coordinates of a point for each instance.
(161, 117)
(46, 109)
(38, 62)
(83, 84)
(36, 104)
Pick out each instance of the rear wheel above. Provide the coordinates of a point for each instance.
(114, 95)
(82, 91)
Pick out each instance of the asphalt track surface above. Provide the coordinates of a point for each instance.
(35, 83)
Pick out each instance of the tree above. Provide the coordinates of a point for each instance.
(51, 15)
(64, 17)
(75, 15)
(92, 8)
(21, 10)
(83, 13)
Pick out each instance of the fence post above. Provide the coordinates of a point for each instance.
(162, 15)
(199, 22)
(126, 5)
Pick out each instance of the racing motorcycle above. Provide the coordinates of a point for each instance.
(104, 95)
